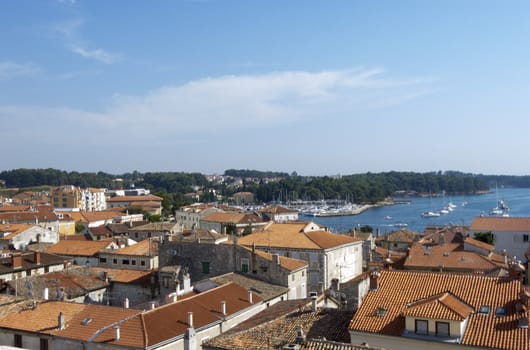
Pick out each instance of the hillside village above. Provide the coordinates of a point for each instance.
(81, 269)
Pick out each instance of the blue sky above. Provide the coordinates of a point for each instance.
(316, 87)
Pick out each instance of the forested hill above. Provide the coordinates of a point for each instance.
(269, 186)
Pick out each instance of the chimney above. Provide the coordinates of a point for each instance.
(61, 323)
(190, 319)
(152, 305)
(313, 303)
(174, 298)
(374, 280)
(276, 259)
(16, 261)
(300, 336)
(116, 333)
(250, 296)
(126, 303)
(36, 257)
(223, 307)
(45, 294)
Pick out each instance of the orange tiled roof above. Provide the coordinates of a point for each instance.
(479, 244)
(397, 289)
(446, 256)
(285, 262)
(123, 275)
(11, 230)
(235, 218)
(146, 198)
(138, 329)
(13, 208)
(276, 209)
(506, 224)
(294, 237)
(443, 306)
(78, 248)
(146, 247)
(171, 320)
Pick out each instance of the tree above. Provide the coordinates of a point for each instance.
(367, 229)
(486, 237)
(79, 227)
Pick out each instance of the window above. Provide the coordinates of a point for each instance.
(525, 238)
(18, 340)
(292, 277)
(44, 344)
(114, 261)
(125, 261)
(205, 267)
(133, 262)
(244, 265)
(421, 327)
(103, 260)
(142, 262)
(442, 329)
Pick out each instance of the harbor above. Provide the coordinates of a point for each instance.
(408, 213)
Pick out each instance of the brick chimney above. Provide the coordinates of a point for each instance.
(16, 261)
(374, 280)
(36, 258)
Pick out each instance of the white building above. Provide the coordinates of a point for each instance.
(511, 234)
(330, 256)
(93, 199)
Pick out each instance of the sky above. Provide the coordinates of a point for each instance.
(316, 87)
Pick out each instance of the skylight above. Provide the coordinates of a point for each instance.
(380, 312)
(500, 311)
(484, 309)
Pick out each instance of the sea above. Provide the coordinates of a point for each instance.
(407, 213)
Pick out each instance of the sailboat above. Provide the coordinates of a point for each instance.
(501, 209)
(430, 213)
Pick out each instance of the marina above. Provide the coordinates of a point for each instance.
(464, 209)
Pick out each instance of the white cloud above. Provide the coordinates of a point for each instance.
(70, 29)
(97, 54)
(230, 103)
(12, 69)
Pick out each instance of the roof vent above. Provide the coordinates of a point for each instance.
(380, 312)
(86, 321)
(446, 253)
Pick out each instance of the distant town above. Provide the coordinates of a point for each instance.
(233, 261)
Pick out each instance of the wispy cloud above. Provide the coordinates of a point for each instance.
(97, 54)
(235, 102)
(70, 30)
(13, 69)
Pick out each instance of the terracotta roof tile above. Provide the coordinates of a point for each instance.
(295, 237)
(497, 224)
(146, 247)
(272, 328)
(443, 306)
(146, 198)
(397, 289)
(78, 248)
(447, 256)
(235, 218)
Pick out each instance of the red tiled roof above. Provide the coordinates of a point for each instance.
(296, 239)
(444, 306)
(78, 248)
(499, 224)
(146, 198)
(397, 289)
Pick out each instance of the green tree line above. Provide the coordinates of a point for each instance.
(359, 188)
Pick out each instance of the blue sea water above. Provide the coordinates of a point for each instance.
(391, 218)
